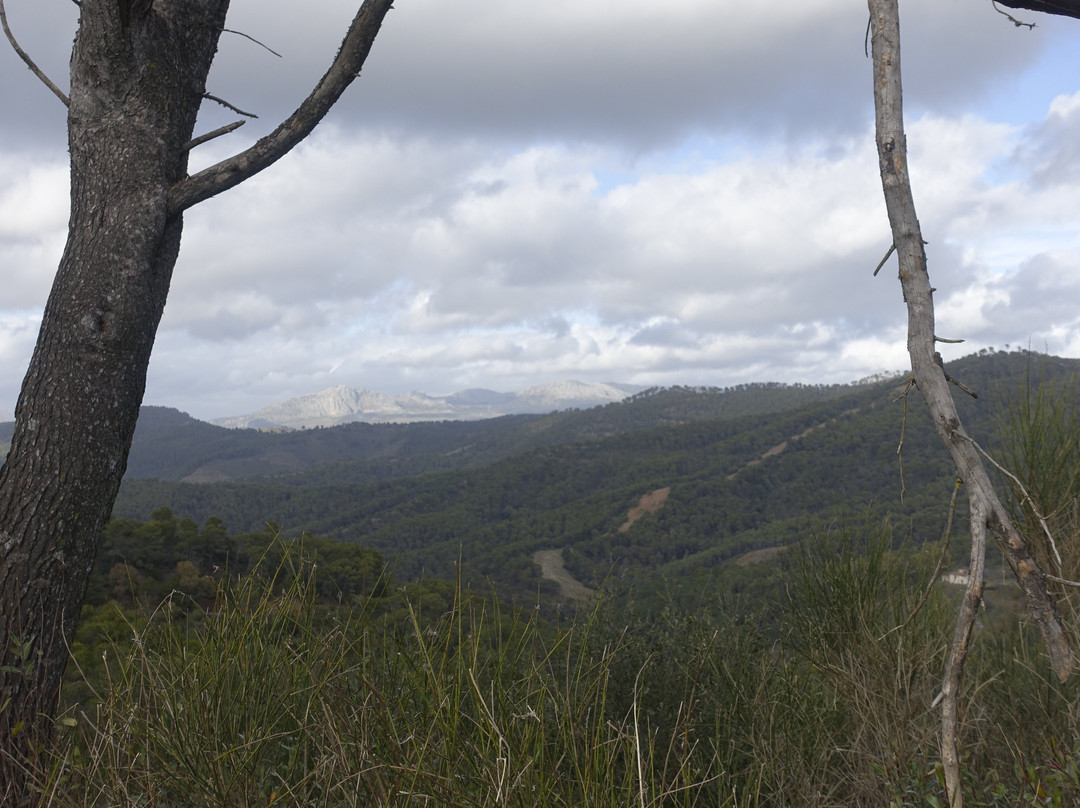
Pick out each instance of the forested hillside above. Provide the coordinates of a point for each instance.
(170, 445)
(397, 586)
(750, 468)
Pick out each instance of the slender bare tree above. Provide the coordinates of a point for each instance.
(137, 79)
(988, 516)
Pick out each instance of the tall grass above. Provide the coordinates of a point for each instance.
(272, 699)
(863, 628)
(1040, 440)
(269, 698)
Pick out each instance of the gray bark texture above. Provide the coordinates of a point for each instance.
(138, 74)
(988, 516)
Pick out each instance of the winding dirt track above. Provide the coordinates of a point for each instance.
(551, 563)
(552, 567)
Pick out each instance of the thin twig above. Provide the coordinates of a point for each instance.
(227, 105)
(253, 39)
(941, 364)
(1027, 497)
(30, 62)
(224, 130)
(1029, 25)
(881, 263)
(961, 385)
(1065, 581)
(903, 429)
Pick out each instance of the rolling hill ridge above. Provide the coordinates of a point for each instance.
(747, 469)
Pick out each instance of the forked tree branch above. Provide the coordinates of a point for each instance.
(37, 71)
(268, 150)
(988, 516)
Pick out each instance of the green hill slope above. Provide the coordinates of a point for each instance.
(567, 481)
(170, 445)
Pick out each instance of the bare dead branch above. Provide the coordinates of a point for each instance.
(988, 515)
(229, 106)
(945, 373)
(1064, 581)
(1027, 498)
(26, 58)
(961, 385)
(892, 249)
(949, 341)
(958, 651)
(881, 263)
(928, 373)
(1061, 8)
(268, 150)
(253, 39)
(1029, 25)
(224, 130)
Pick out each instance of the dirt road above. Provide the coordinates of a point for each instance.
(552, 567)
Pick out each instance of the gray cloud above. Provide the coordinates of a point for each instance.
(518, 193)
(1052, 153)
(666, 334)
(635, 73)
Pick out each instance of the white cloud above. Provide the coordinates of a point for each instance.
(1064, 107)
(33, 224)
(516, 193)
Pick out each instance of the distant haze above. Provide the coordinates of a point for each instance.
(340, 405)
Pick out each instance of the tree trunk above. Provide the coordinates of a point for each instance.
(137, 79)
(988, 516)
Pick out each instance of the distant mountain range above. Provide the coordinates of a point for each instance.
(743, 469)
(724, 473)
(343, 405)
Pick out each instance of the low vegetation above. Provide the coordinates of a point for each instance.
(250, 669)
(267, 690)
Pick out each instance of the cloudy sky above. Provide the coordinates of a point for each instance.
(518, 192)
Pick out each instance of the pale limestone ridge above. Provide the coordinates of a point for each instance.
(342, 404)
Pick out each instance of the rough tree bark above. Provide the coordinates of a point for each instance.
(988, 516)
(138, 74)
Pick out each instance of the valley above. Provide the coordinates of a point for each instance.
(665, 488)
